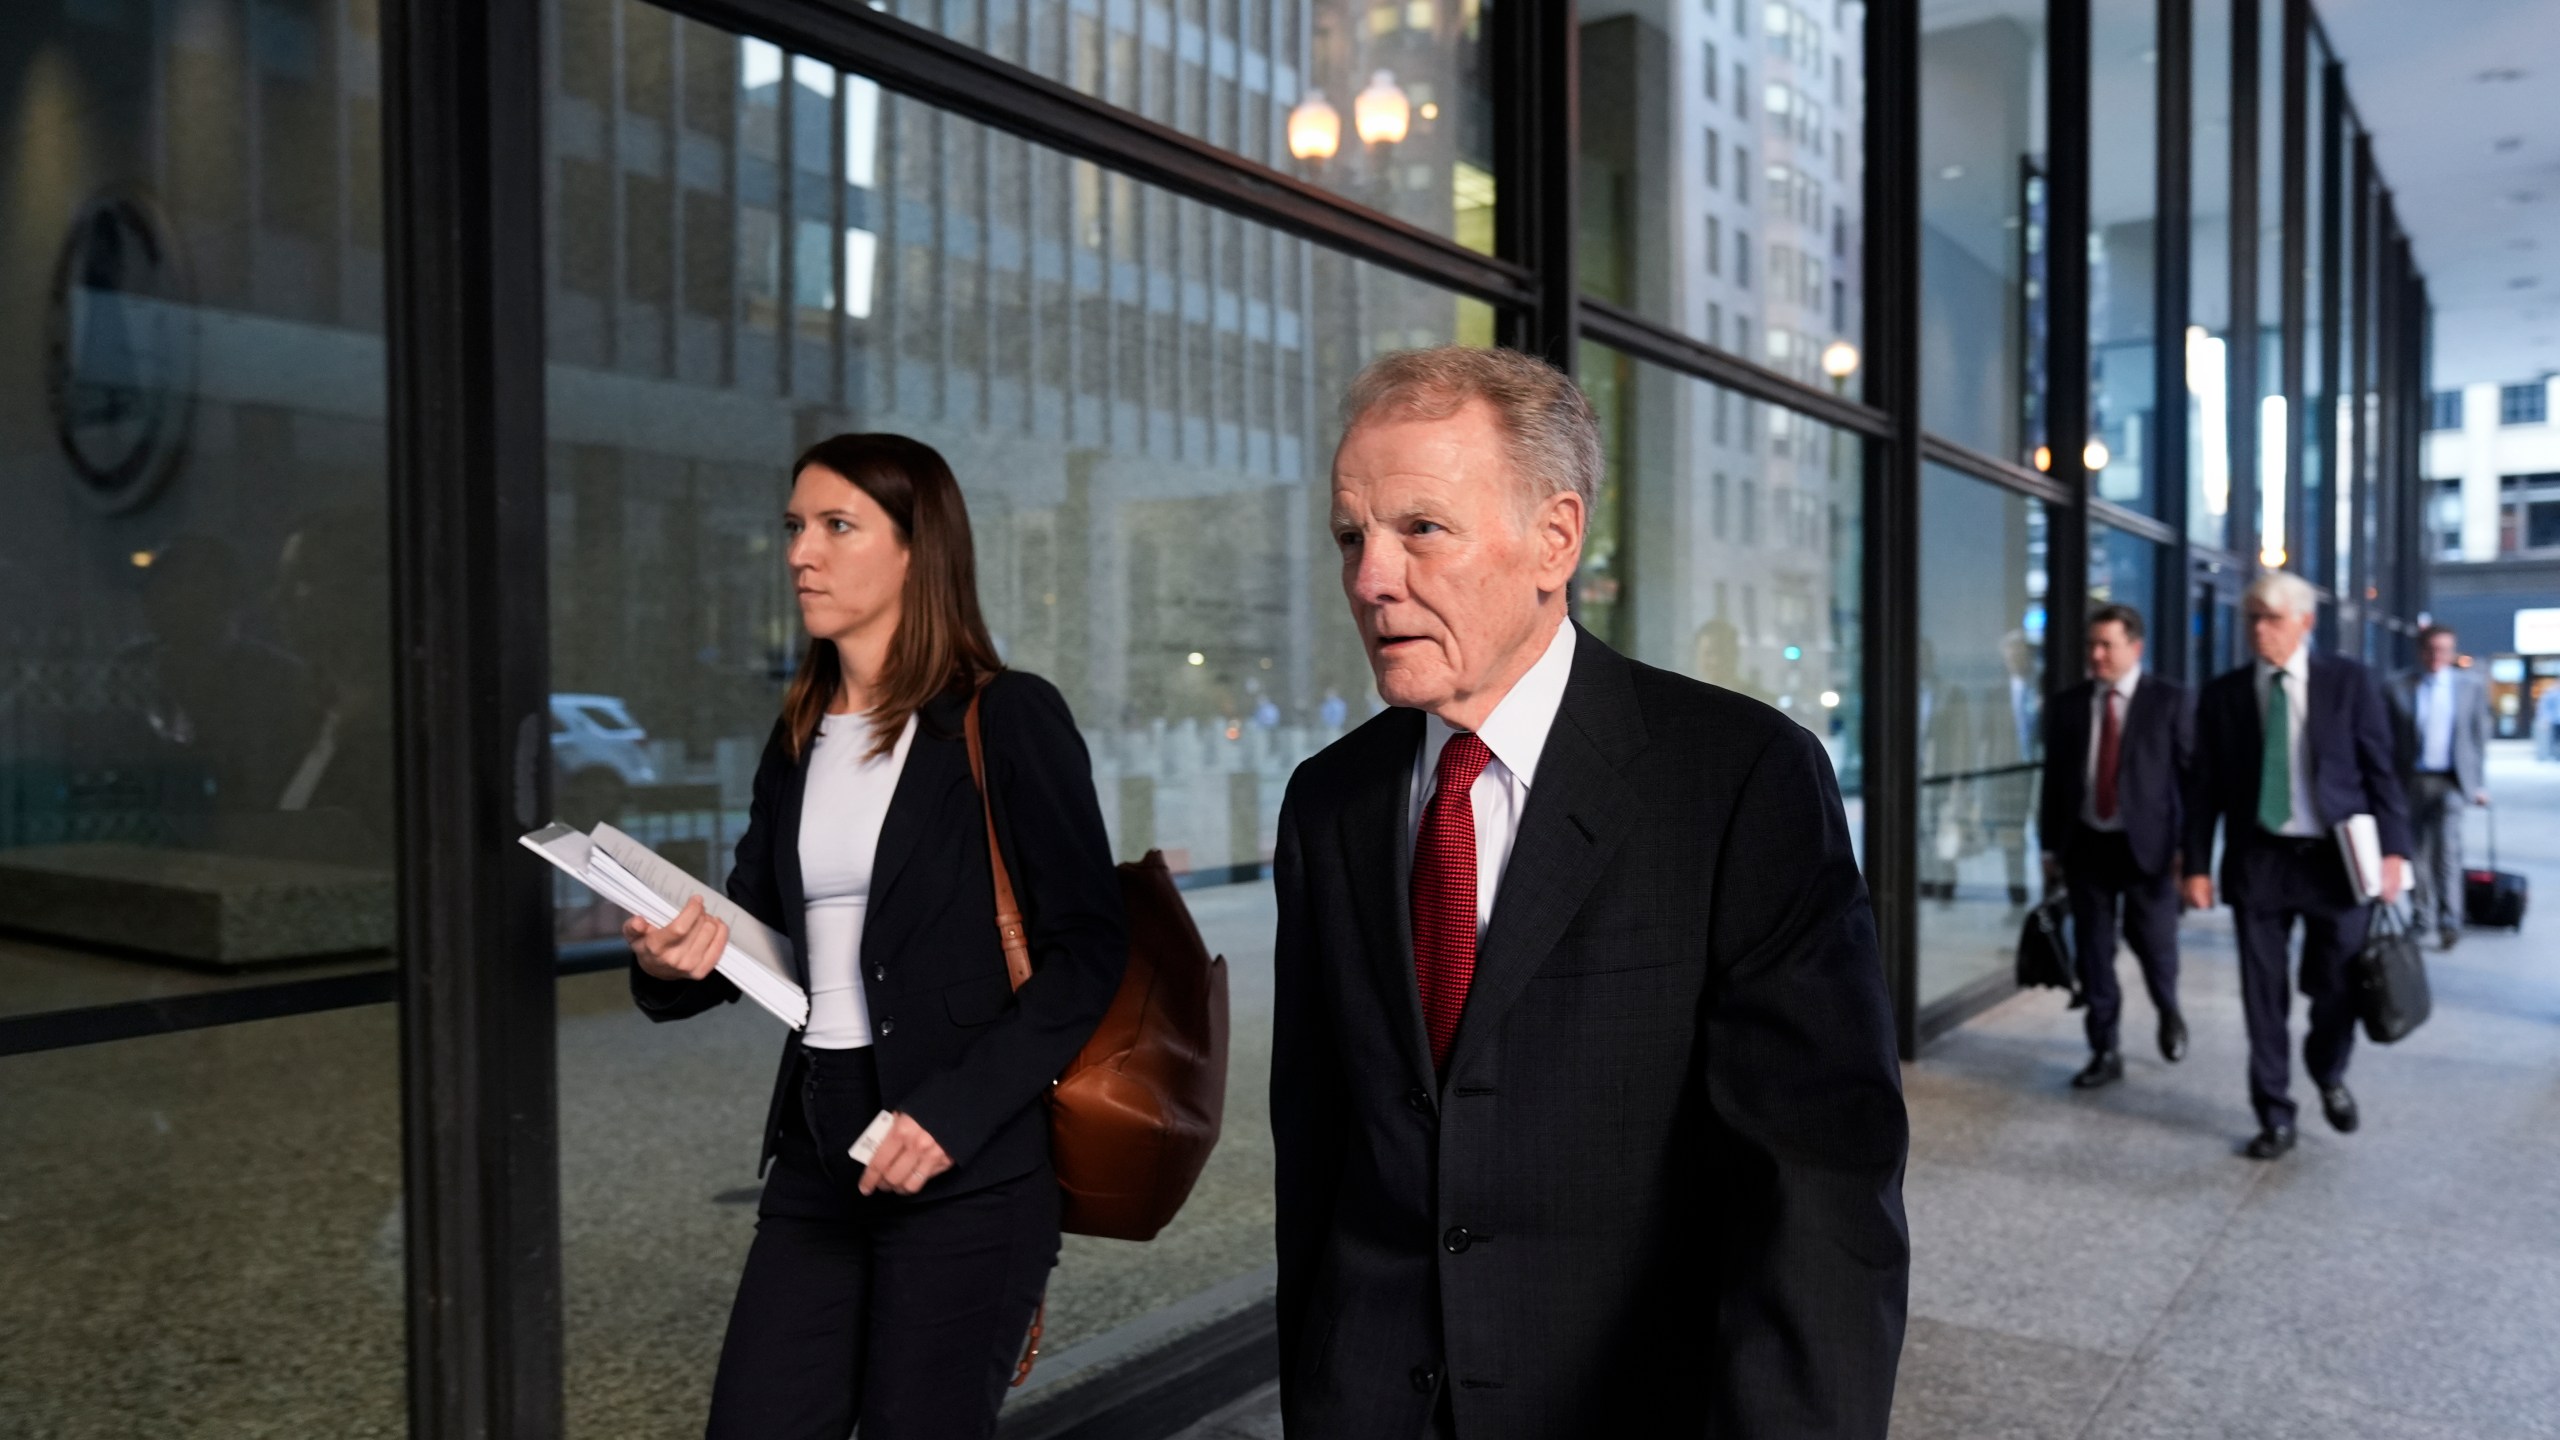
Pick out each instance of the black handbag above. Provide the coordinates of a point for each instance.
(2390, 976)
(2044, 951)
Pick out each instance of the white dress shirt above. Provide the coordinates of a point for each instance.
(2123, 691)
(2435, 720)
(841, 811)
(1516, 733)
(2305, 822)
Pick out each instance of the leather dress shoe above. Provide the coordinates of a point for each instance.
(2340, 1107)
(2173, 1037)
(2449, 937)
(2104, 1068)
(2272, 1142)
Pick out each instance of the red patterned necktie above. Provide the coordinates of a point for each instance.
(1444, 893)
(2110, 743)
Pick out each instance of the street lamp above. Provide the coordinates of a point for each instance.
(1315, 128)
(1840, 359)
(1382, 112)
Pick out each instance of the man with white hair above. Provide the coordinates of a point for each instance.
(1583, 1086)
(2288, 747)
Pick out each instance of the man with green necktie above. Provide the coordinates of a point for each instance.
(2288, 747)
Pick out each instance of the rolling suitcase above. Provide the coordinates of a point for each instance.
(2493, 897)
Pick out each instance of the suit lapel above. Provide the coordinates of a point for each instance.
(1374, 822)
(937, 760)
(1579, 812)
(786, 858)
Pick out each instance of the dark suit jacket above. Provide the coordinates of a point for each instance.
(2151, 768)
(2346, 742)
(1663, 1170)
(960, 1051)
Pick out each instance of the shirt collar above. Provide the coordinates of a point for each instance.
(2125, 686)
(1516, 731)
(2297, 666)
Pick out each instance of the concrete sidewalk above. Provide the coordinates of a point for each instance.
(2108, 1265)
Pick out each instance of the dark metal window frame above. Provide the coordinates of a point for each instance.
(463, 86)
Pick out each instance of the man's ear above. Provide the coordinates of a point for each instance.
(1557, 529)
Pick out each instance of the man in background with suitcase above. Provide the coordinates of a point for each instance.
(2116, 749)
(2440, 719)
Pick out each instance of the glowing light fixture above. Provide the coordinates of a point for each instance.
(1381, 112)
(1840, 359)
(2271, 481)
(1315, 128)
(2094, 455)
(2044, 457)
(1830, 699)
(2206, 381)
(1196, 658)
(1795, 652)
(142, 559)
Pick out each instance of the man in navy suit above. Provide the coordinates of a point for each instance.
(2287, 747)
(2116, 748)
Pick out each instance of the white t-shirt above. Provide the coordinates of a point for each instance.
(841, 810)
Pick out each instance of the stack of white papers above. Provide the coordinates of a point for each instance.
(647, 884)
(2360, 845)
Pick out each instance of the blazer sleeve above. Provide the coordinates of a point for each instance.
(2204, 785)
(1310, 1107)
(2378, 764)
(751, 884)
(1060, 858)
(1804, 1093)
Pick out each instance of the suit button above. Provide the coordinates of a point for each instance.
(879, 972)
(887, 1025)
(1457, 1240)
(1425, 1379)
(1419, 1099)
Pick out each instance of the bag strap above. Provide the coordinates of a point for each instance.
(1017, 945)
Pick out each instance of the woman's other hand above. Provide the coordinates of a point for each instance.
(906, 1159)
(685, 948)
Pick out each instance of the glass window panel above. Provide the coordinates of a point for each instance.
(2124, 569)
(1385, 102)
(1137, 393)
(2124, 235)
(2314, 523)
(1759, 594)
(2273, 457)
(1982, 166)
(1674, 163)
(204, 1233)
(2209, 280)
(194, 611)
(1982, 648)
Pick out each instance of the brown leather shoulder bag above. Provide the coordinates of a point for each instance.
(1132, 1120)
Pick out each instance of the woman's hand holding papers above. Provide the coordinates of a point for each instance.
(685, 948)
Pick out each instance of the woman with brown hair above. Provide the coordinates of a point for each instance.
(897, 1294)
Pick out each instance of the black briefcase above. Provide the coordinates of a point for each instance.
(2390, 976)
(2493, 898)
(2044, 951)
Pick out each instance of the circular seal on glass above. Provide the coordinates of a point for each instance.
(120, 350)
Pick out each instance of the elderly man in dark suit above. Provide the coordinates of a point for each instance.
(2440, 713)
(2116, 748)
(1583, 1082)
(2289, 746)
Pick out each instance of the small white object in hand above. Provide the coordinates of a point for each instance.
(872, 1134)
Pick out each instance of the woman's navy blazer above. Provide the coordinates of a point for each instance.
(960, 1051)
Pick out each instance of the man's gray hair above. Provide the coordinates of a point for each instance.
(2284, 592)
(1551, 436)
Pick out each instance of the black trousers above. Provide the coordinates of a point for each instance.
(905, 1314)
(2273, 883)
(2107, 890)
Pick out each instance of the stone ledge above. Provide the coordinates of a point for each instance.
(204, 906)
